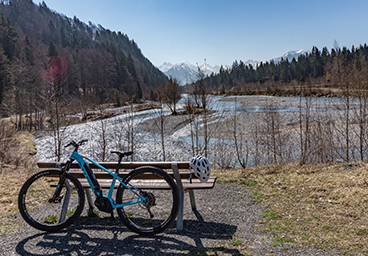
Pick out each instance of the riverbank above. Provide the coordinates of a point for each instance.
(316, 90)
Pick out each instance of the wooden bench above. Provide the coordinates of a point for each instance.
(172, 168)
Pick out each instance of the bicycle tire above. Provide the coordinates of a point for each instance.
(163, 201)
(34, 200)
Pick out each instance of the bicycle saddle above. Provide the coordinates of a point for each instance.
(122, 154)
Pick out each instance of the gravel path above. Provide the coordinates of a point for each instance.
(225, 224)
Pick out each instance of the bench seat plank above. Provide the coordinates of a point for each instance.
(155, 184)
(104, 175)
(123, 165)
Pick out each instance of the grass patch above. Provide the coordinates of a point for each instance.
(51, 219)
(93, 214)
(323, 206)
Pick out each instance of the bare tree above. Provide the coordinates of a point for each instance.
(171, 94)
(340, 77)
(55, 77)
(129, 135)
(160, 122)
(274, 138)
(304, 121)
(361, 111)
(237, 136)
(103, 133)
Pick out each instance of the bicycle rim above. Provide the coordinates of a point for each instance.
(37, 208)
(161, 207)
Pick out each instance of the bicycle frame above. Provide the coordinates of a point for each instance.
(83, 164)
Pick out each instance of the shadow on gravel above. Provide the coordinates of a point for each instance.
(106, 237)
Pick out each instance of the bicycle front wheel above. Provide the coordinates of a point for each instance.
(41, 209)
(161, 205)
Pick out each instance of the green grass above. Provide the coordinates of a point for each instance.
(93, 214)
(51, 219)
(147, 223)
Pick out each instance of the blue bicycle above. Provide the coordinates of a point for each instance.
(147, 199)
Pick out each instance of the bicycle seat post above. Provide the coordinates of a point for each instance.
(119, 162)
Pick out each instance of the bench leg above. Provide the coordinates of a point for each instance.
(192, 200)
(179, 219)
(64, 208)
(89, 199)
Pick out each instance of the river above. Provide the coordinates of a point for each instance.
(177, 144)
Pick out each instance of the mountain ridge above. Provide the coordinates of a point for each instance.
(186, 73)
(101, 63)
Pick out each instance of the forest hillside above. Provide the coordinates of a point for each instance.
(45, 55)
(326, 73)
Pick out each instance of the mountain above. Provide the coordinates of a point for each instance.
(165, 66)
(188, 73)
(254, 63)
(290, 55)
(185, 72)
(100, 65)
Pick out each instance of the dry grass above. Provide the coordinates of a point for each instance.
(19, 166)
(10, 184)
(323, 206)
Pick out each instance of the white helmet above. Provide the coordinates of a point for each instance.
(201, 168)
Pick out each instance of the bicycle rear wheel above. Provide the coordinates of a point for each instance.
(38, 208)
(161, 207)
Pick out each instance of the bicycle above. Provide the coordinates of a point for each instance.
(147, 199)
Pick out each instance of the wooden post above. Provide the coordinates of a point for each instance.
(179, 220)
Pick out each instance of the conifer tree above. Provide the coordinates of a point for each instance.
(5, 74)
(138, 94)
(52, 51)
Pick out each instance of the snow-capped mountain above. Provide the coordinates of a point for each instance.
(165, 66)
(290, 55)
(187, 73)
(184, 73)
(254, 63)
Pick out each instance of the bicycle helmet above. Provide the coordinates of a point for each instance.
(201, 168)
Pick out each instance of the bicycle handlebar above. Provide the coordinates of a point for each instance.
(75, 144)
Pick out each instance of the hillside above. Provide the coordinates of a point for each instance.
(101, 66)
(325, 72)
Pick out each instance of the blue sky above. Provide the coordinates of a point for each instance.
(223, 31)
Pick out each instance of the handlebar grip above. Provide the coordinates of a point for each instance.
(82, 141)
(128, 153)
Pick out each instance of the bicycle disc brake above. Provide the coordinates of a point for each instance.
(56, 200)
